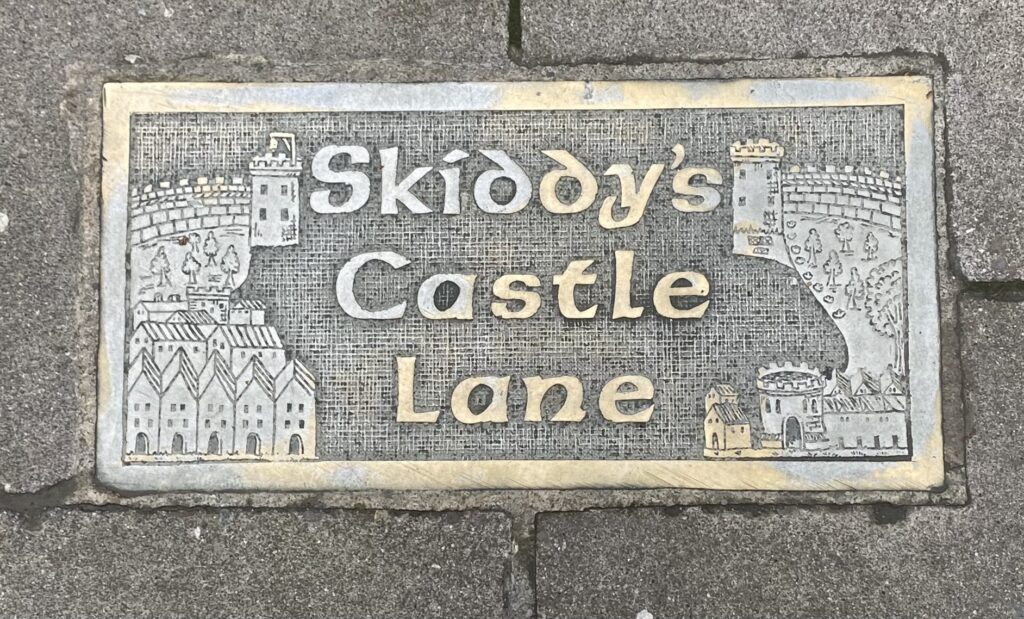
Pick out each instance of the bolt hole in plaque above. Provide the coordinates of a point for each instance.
(719, 285)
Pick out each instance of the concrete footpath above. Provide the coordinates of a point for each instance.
(72, 548)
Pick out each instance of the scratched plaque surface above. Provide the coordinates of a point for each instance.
(724, 285)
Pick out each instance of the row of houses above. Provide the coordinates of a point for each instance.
(256, 410)
(804, 414)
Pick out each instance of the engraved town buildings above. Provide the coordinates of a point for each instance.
(208, 378)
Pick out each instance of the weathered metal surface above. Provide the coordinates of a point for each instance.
(724, 285)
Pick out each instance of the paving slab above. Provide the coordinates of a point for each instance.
(974, 43)
(48, 283)
(817, 562)
(209, 563)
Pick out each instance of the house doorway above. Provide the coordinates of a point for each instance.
(178, 444)
(252, 444)
(141, 444)
(295, 445)
(213, 446)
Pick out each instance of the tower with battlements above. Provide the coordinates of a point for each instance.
(274, 219)
(757, 199)
(790, 399)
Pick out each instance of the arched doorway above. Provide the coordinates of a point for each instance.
(793, 434)
(714, 440)
(178, 444)
(141, 444)
(295, 445)
(213, 446)
(252, 444)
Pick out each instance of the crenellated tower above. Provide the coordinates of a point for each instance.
(274, 220)
(757, 199)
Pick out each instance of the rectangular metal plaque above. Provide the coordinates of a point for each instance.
(722, 285)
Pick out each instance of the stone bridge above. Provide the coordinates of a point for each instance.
(851, 194)
(190, 204)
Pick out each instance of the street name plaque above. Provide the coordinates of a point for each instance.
(706, 284)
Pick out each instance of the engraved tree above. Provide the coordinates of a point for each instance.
(210, 248)
(160, 266)
(871, 246)
(195, 242)
(813, 247)
(833, 268)
(230, 265)
(885, 307)
(844, 232)
(190, 266)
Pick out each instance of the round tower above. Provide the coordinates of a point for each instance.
(790, 402)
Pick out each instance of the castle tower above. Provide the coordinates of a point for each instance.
(275, 193)
(757, 200)
(790, 400)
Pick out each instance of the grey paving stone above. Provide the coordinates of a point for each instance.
(47, 284)
(975, 41)
(819, 562)
(167, 564)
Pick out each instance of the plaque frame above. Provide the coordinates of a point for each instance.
(924, 470)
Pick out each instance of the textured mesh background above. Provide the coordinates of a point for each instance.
(758, 313)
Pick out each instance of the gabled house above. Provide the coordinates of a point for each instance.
(295, 418)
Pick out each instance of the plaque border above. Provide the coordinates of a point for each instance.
(924, 470)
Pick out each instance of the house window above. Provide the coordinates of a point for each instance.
(207, 424)
(245, 409)
(743, 200)
(136, 422)
(259, 423)
(184, 423)
(287, 423)
(263, 214)
(285, 214)
(263, 190)
(245, 423)
(302, 423)
(288, 407)
(743, 173)
(181, 407)
(259, 408)
(220, 408)
(147, 406)
(223, 423)
(195, 349)
(174, 407)
(170, 423)
(149, 423)
(301, 406)
(160, 348)
(209, 407)
(284, 190)
(137, 406)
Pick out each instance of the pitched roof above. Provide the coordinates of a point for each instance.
(860, 404)
(250, 336)
(197, 317)
(730, 413)
(144, 366)
(893, 383)
(254, 372)
(725, 389)
(842, 386)
(297, 372)
(216, 369)
(863, 381)
(179, 365)
(249, 304)
(174, 331)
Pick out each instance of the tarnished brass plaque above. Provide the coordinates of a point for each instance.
(722, 285)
